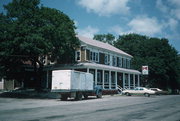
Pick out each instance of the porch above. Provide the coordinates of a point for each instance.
(109, 77)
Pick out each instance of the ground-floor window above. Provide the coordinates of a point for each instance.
(113, 78)
(99, 77)
(131, 81)
(126, 80)
(92, 71)
(106, 79)
(120, 79)
(136, 80)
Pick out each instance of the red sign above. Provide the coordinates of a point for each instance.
(145, 70)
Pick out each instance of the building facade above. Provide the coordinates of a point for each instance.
(110, 66)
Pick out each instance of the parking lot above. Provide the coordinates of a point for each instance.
(109, 108)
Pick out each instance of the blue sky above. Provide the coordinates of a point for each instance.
(154, 18)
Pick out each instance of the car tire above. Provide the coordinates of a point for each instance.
(127, 94)
(146, 94)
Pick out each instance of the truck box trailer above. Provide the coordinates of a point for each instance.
(74, 84)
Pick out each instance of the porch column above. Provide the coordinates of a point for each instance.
(138, 81)
(123, 80)
(103, 79)
(129, 79)
(109, 79)
(116, 79)
(87, 70)
(134, 84)
(47, 80)
(95, 76)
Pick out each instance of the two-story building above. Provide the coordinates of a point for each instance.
(110, 66)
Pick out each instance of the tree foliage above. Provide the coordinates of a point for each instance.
(29, 31)
(158, 54)
(106, 38)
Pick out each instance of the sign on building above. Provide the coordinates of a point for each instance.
(145, 70)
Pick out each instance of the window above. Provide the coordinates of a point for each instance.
(91, 55)
(113, 78)
(94, 56)
(114, 61)
(78, 55)
(97, 57)
(124, 62)
(99, 79)
(106, 59)
(120, 61)
(106, 78)
(128, 63)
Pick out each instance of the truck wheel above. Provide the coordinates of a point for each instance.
(78, 96)
(64, 97)
(85, 96)
(99, 95)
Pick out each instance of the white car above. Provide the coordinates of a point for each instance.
(159, 91)
(139, 91)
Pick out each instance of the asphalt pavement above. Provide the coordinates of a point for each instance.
(109, 108)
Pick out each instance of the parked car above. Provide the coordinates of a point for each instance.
(139, 91)
(159, 91)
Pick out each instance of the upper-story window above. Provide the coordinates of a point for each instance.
(124, 62)
(78, 55)
(94, 56)
(114, 61)
(106, 59)
(128, 63)
(120, 62)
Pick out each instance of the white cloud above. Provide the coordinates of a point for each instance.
(145, 25)
(171, 9)
(176, 13)
(88, 31)
(105, 7)
(76, 23)
(172, 23)
(175, 2)
(118, 30)
(161, 6)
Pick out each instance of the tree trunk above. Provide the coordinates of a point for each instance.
(38, 71)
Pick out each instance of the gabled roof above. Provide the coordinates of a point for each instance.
(102, 45)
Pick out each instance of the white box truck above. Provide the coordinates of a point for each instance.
(74, 84)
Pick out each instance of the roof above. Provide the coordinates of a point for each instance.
(98, 66)
(107, 67)
(102, 45)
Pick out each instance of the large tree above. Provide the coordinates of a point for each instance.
(106, 38)
(29, 31)
(158, 54)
